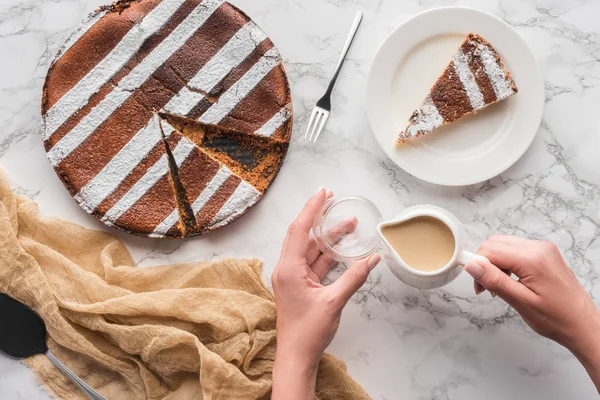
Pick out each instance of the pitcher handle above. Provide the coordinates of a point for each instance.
(466, 257)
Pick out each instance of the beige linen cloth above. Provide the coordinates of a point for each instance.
(187, 331)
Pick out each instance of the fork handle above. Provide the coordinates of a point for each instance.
(344, 52)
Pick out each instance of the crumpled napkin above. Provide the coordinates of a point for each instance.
(183, 331)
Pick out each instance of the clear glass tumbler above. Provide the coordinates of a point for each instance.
(345, 228)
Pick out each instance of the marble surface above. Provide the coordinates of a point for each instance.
(398, 342)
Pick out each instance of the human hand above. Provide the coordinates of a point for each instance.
(547, 294)
(308, 313)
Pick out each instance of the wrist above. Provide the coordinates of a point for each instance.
(303, 352)
(585, 343)
(291, 354)
(294, 374)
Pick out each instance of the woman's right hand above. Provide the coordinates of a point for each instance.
(547, 294)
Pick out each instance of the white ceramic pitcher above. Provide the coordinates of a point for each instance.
(429, 279)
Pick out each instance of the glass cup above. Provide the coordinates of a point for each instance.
(345, 229)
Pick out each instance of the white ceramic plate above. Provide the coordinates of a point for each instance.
(477, 147)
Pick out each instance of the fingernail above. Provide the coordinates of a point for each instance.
(475, 270)
(321, 189)
(373, 261)
(329, 194)
(351, 224)
(478, 287)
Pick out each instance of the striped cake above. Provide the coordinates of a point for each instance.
(167, 118)
(475, 78)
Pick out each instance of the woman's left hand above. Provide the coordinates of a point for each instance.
(308, 313)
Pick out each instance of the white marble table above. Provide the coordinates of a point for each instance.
(399, 343)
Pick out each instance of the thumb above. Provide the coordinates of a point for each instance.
(497, 282)
(354, 277)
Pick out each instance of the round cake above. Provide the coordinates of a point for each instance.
(167, 118)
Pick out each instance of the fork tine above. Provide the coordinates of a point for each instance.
(310, 122)
(323, 120)
(318, 117)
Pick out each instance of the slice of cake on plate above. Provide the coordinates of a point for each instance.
(475, 78)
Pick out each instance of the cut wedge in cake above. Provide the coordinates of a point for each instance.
(220, 172)
(475, 78)
(253, 157)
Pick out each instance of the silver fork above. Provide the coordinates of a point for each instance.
(320, 113)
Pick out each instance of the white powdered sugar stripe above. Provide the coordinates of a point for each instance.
(85, 26)
(150, 178)
(137, 191)
(183, 102)
(462, 69)
(79, 94)
(494, 72)
(272, 125)
(428, 119)
(166, 128)
(133, 80)
(180, 153)
(239, 90)
(182, 150)
(229, 57)
(166, 225)
(184, 146)
(244, 196)
(121, 165)
(213, 186)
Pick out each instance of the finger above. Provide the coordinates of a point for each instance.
(323, 265)
(497, 282)
(341, 229)
(511, 240)
(333, 235)
(354, 277)
(479, 287)
(506, 256)
(313, 251)
(297, 239)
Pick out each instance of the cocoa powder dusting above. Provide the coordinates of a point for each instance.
(450, 97)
